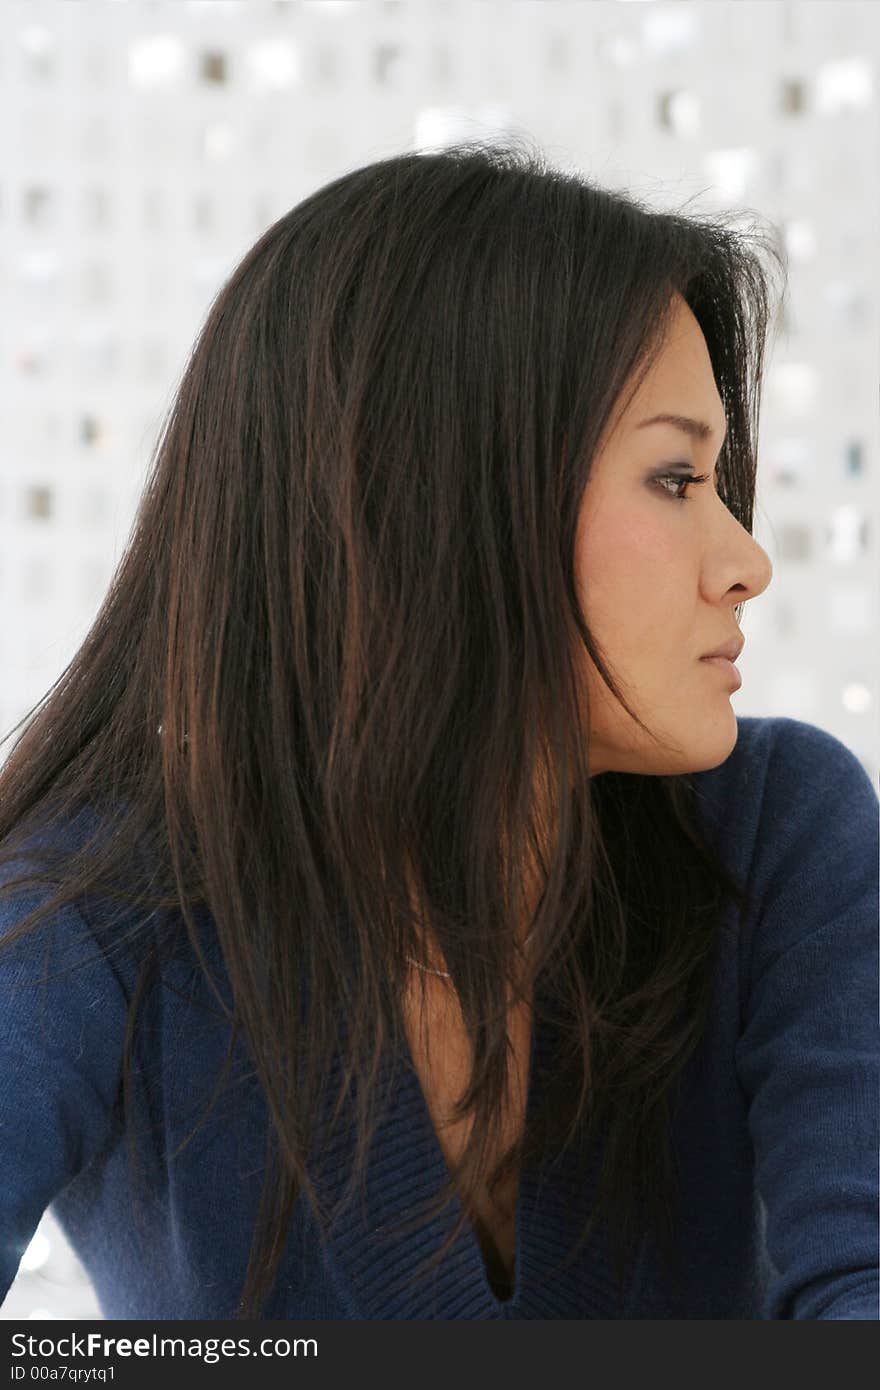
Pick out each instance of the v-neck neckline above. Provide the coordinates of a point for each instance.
(473, 1227)
(415, 1103)
(405, 1169)
(379, 1272)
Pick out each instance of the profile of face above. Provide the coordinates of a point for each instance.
(660, 568)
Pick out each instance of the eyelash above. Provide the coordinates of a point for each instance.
(681, 479)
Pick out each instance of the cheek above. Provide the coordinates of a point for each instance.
(627, 565)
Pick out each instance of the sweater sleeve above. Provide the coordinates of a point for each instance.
(60, 1060)
(808, 1056)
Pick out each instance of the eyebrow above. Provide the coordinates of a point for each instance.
(697, 429)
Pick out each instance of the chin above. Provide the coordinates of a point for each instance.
(718, 747)
(696, 752)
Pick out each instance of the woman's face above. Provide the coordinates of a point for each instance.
(659, 578)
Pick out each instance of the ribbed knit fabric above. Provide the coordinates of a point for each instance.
(776, 1135)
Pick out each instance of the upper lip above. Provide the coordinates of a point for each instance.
(729, 649)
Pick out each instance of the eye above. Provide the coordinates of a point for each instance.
(681, 480)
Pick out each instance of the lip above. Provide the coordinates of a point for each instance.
(730, 650)
(726, 665)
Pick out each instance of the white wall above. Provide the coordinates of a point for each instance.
(147, 145)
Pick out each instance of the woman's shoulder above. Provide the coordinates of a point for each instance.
(790, 742)
(45, 915)
(783, 773)
(794, 814)
(807, 1050)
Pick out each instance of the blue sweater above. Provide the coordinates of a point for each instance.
(776, 1140)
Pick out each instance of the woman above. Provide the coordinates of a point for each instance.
(453, 950)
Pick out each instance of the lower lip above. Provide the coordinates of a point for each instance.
(725, 665)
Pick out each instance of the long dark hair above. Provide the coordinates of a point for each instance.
(340, 653)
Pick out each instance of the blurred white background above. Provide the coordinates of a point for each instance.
(146, 145)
